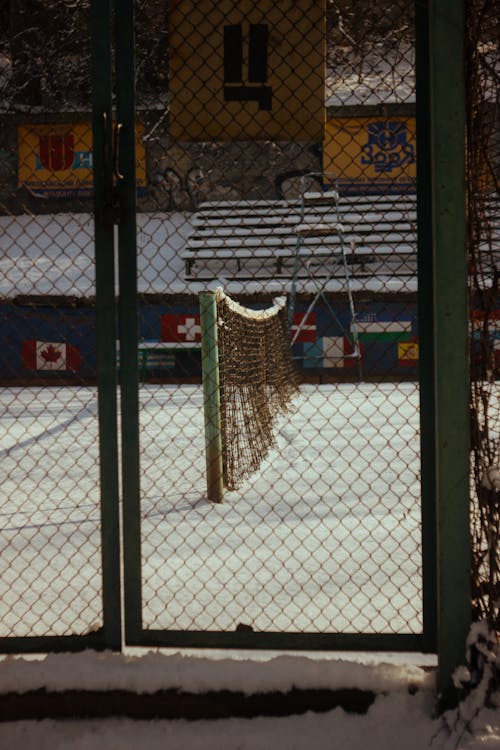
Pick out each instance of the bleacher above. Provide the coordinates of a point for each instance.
(279, 239)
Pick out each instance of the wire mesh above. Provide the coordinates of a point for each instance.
(281, 161)
(50, 581)
(276, 155)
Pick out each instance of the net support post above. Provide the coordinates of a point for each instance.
(211, 396)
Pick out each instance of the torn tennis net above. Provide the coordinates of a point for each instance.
(258, 380)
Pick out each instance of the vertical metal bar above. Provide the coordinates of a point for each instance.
(105, 320)
(447, 86)
(425, 329)
(211, 396)
(128, 314)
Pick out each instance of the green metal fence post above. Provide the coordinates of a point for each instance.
(125, 168)
(105, 320)
(426, 330)
(447, 104)
(211, 396)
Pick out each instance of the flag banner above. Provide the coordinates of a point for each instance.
(333, 351)
(478, 316)
(46, 355)
(330, 352)
(390, 335)
(338, 351)
(308, 329)
(496, 349)
(371, 154)
(180, 328)
(408, 353)
(55, 161)
(384, 330)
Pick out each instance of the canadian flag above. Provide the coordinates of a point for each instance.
(46, 355)
(180, 328)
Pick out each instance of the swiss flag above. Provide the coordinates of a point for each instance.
(177, 328)
(308, 332)
(46, 355)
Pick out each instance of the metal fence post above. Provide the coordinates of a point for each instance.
(426, 327)
(105, 320)
(447, 104)
(125, 175)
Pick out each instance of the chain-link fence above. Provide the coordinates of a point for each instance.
(275, 156)
(51, 579)
(249, 178)
(483, 138)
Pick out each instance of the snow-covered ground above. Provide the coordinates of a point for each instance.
(54, 253)
(401, 717)
(324, 537)
(334, 509)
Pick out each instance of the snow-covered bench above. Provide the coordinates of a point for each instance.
(259, 239)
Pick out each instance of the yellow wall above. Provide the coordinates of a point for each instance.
(55, 160)
(199, 106)
(371, 152)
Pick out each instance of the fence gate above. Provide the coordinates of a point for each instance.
(239, 145)
(241, 183)
(59, 490)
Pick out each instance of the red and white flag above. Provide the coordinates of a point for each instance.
(307, 328)
(338, 351)
(177, 328)
(46, 355)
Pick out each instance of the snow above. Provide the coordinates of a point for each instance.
(194, 673)
(386, 415)
(48, 439)
(401, 716)
(58, 259)
(382, 76)
(325, 537)
(54, 254)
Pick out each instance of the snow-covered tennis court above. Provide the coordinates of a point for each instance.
(326, 537)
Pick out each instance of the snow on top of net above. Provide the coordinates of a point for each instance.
(246, 312)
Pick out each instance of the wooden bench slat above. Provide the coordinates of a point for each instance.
(328, 196)
(318, 230)
(261, 239)
(294, 214)
(243, 253)
(263, 274)
(380, 232)
(290, 242)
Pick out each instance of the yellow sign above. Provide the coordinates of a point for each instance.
(371, 154)
(55, 161)
(407, 352)
(243, 70)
